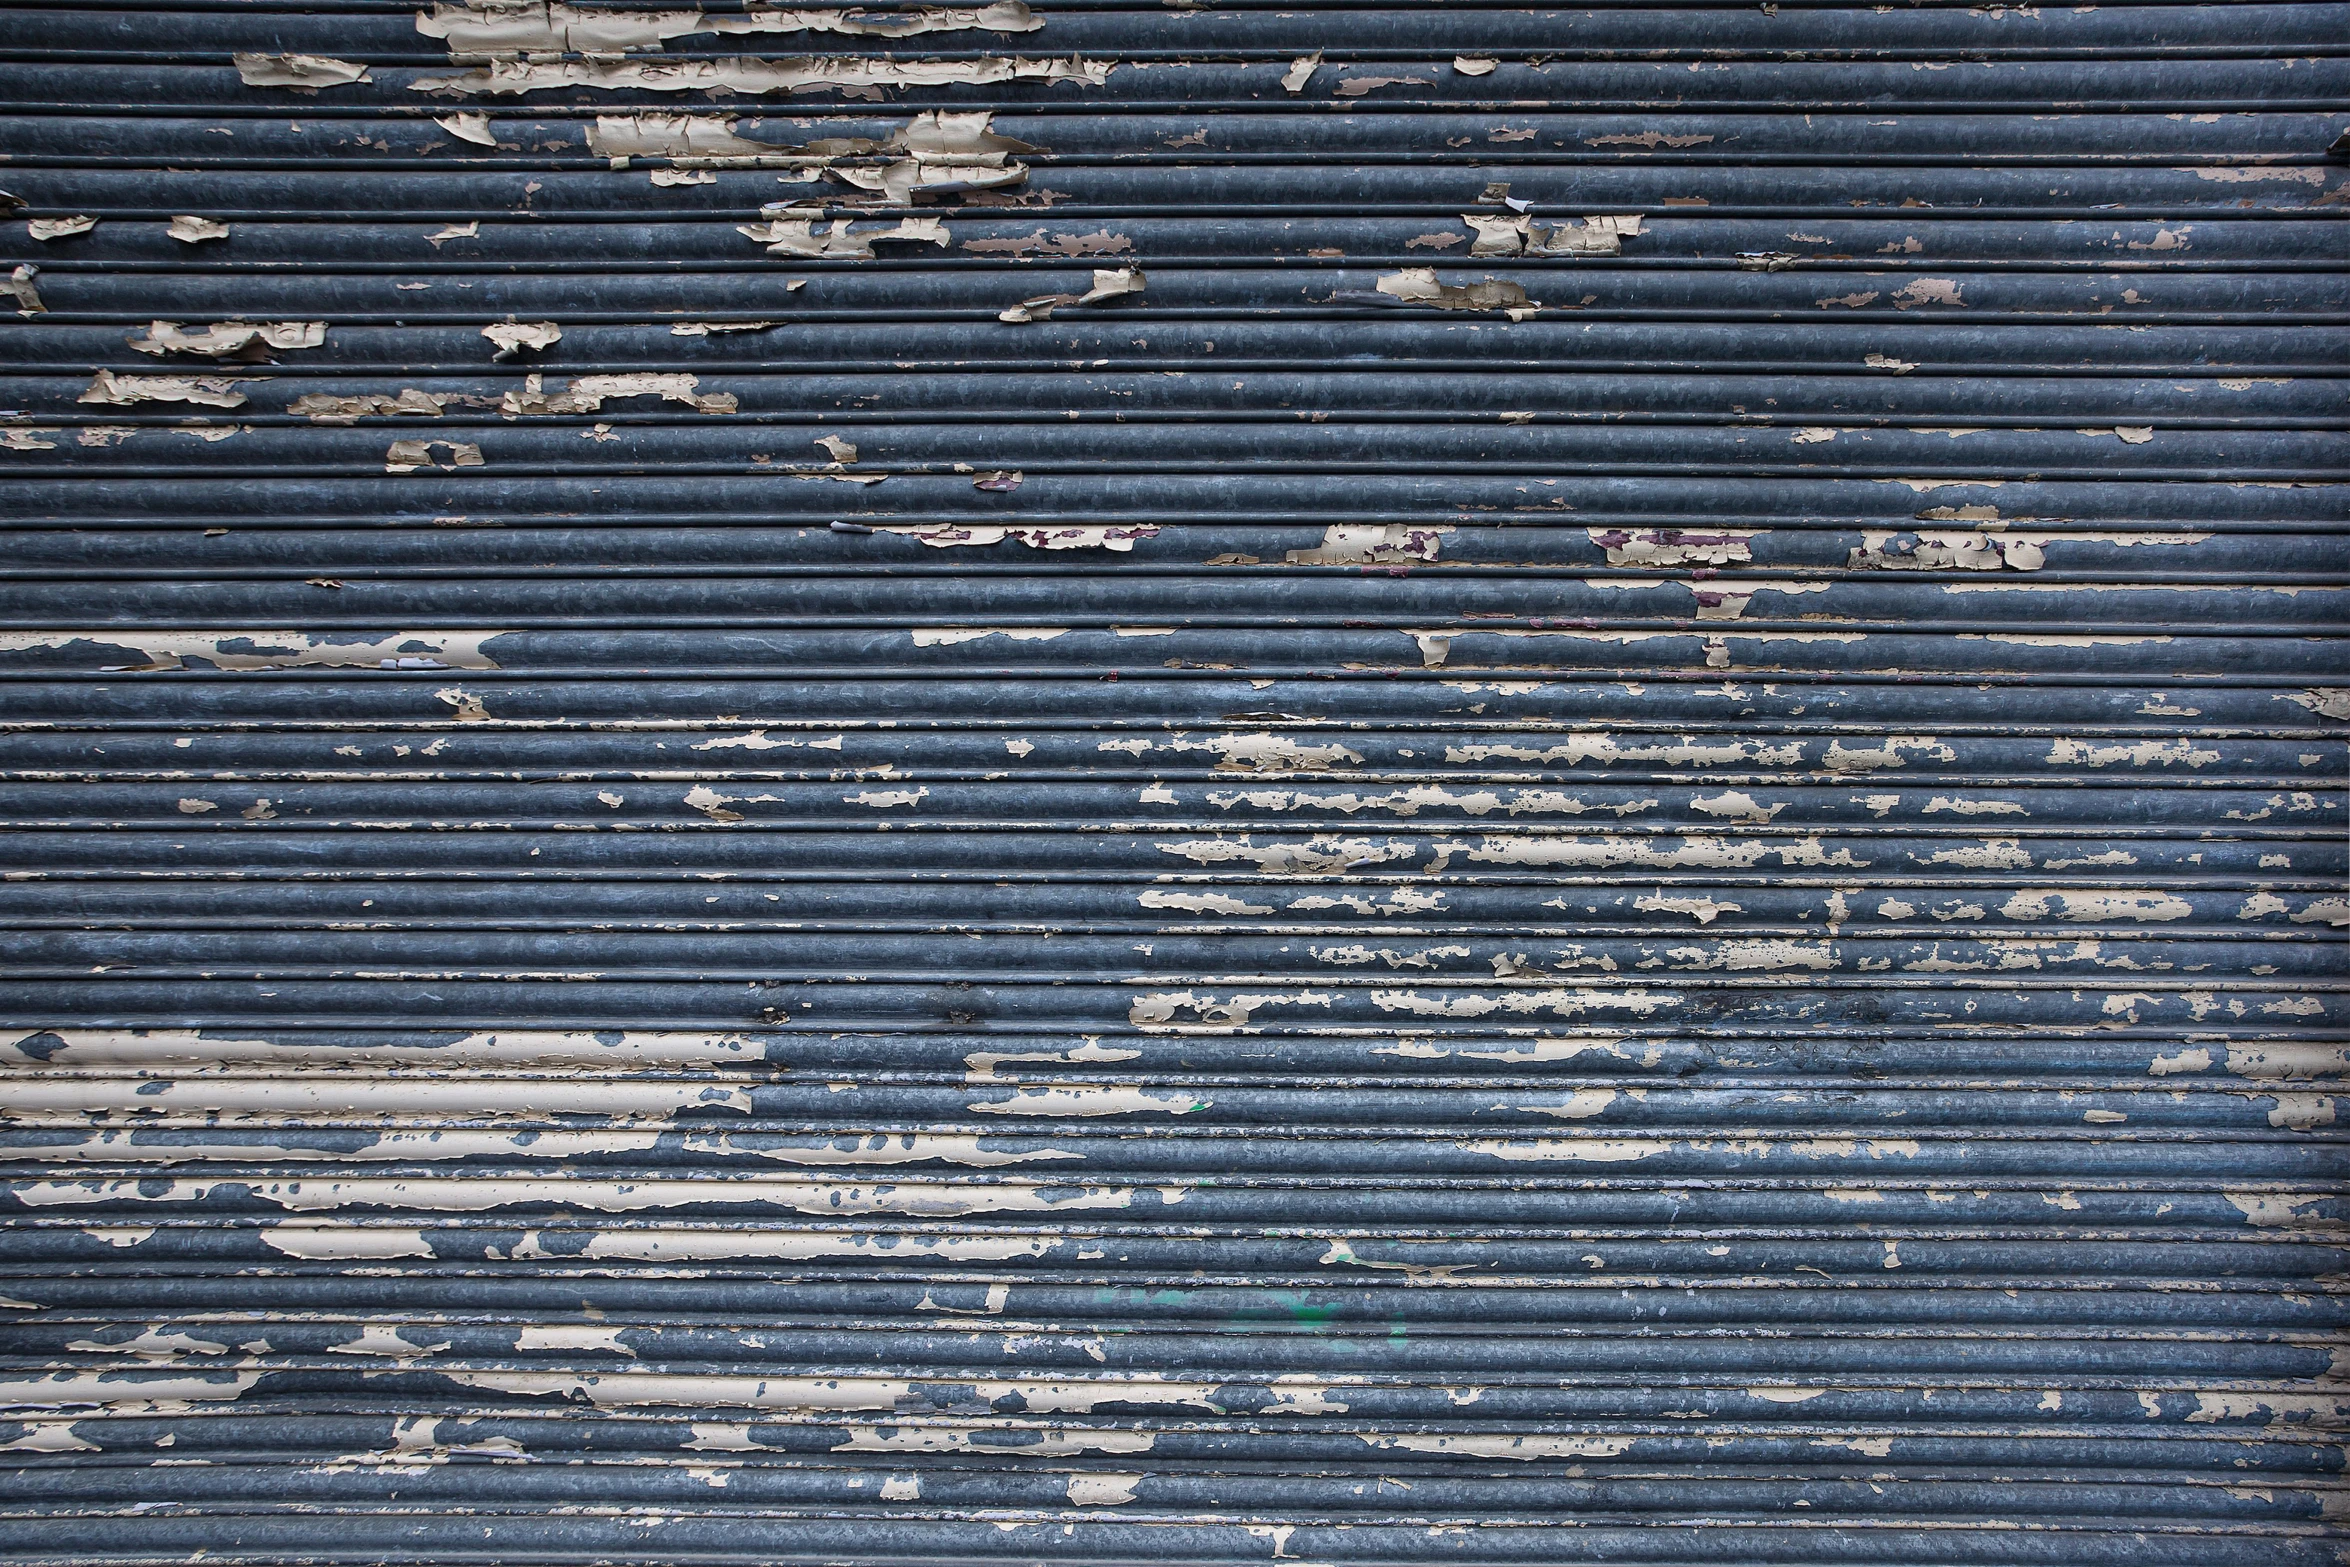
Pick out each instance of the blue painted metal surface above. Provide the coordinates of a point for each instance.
(1181, 783)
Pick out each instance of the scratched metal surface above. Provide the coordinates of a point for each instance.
(1685, 906)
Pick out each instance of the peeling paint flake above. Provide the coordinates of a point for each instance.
(1676, 546)
(1078, 536)
(955, 636)
(210, 391)
(489, 30)
(851, 75)
(1356, 544)
(302, 72)
(264, 650)
(1109, 284)
(840, 241)
(411, 456)
(230, 339)
(514, 338)
(1513, 236)
(588, 394)
(1419, 286)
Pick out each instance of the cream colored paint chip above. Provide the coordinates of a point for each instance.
(798, 236)
(1102, 1490)
(1109, 283)
(860, 73)
(301, 72)
(410, 456)
(1419, 286)
(513, 338)
(230, 339)
(209, 391)
(474, 127)
(587, 394)
(488, 30)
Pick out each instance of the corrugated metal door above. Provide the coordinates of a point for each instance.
(1174, 782)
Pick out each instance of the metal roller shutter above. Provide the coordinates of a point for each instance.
(1193, 782)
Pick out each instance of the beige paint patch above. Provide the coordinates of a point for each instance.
(2143, 753)
(49, 1436)
(1736, 805)
(330, 408)
(1364, 544)
(1102, 1490)
(301, 72)
(1357, 86)
(1072, 536)
(1091, 1102)
(514, 338)
(1703, 909)
(169, 650)
(1109, 284)
(1675, 546)
(588, 393)
(1262, 752)
(210, 391)
(488, 30)
(230, 339)
(2197, 1059)
(18, 285)
(2326, 702)
(956, 636)
(849, 74)
(66, 1389)
(481, 1194)
(1193, 1012)
(412, 456)
(572, 1339)
(343, 1243)
(2283, 1210)
(1936, 291)
(474, 128)
(376, 1338)
(2039, 903)
(1514, 236)
(1599, 747)
(1419, 286)
(2300, 1112)
(683, 1246)
(901, 1148)
(839, 241)
(1650, 140)
(1523, 1449)
(1320, 855)
(1021, 1439)
(2241, 174)
(1581, 1150)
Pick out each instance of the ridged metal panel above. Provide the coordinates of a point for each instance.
(1692, 915)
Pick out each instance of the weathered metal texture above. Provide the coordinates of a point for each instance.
(672, 895)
